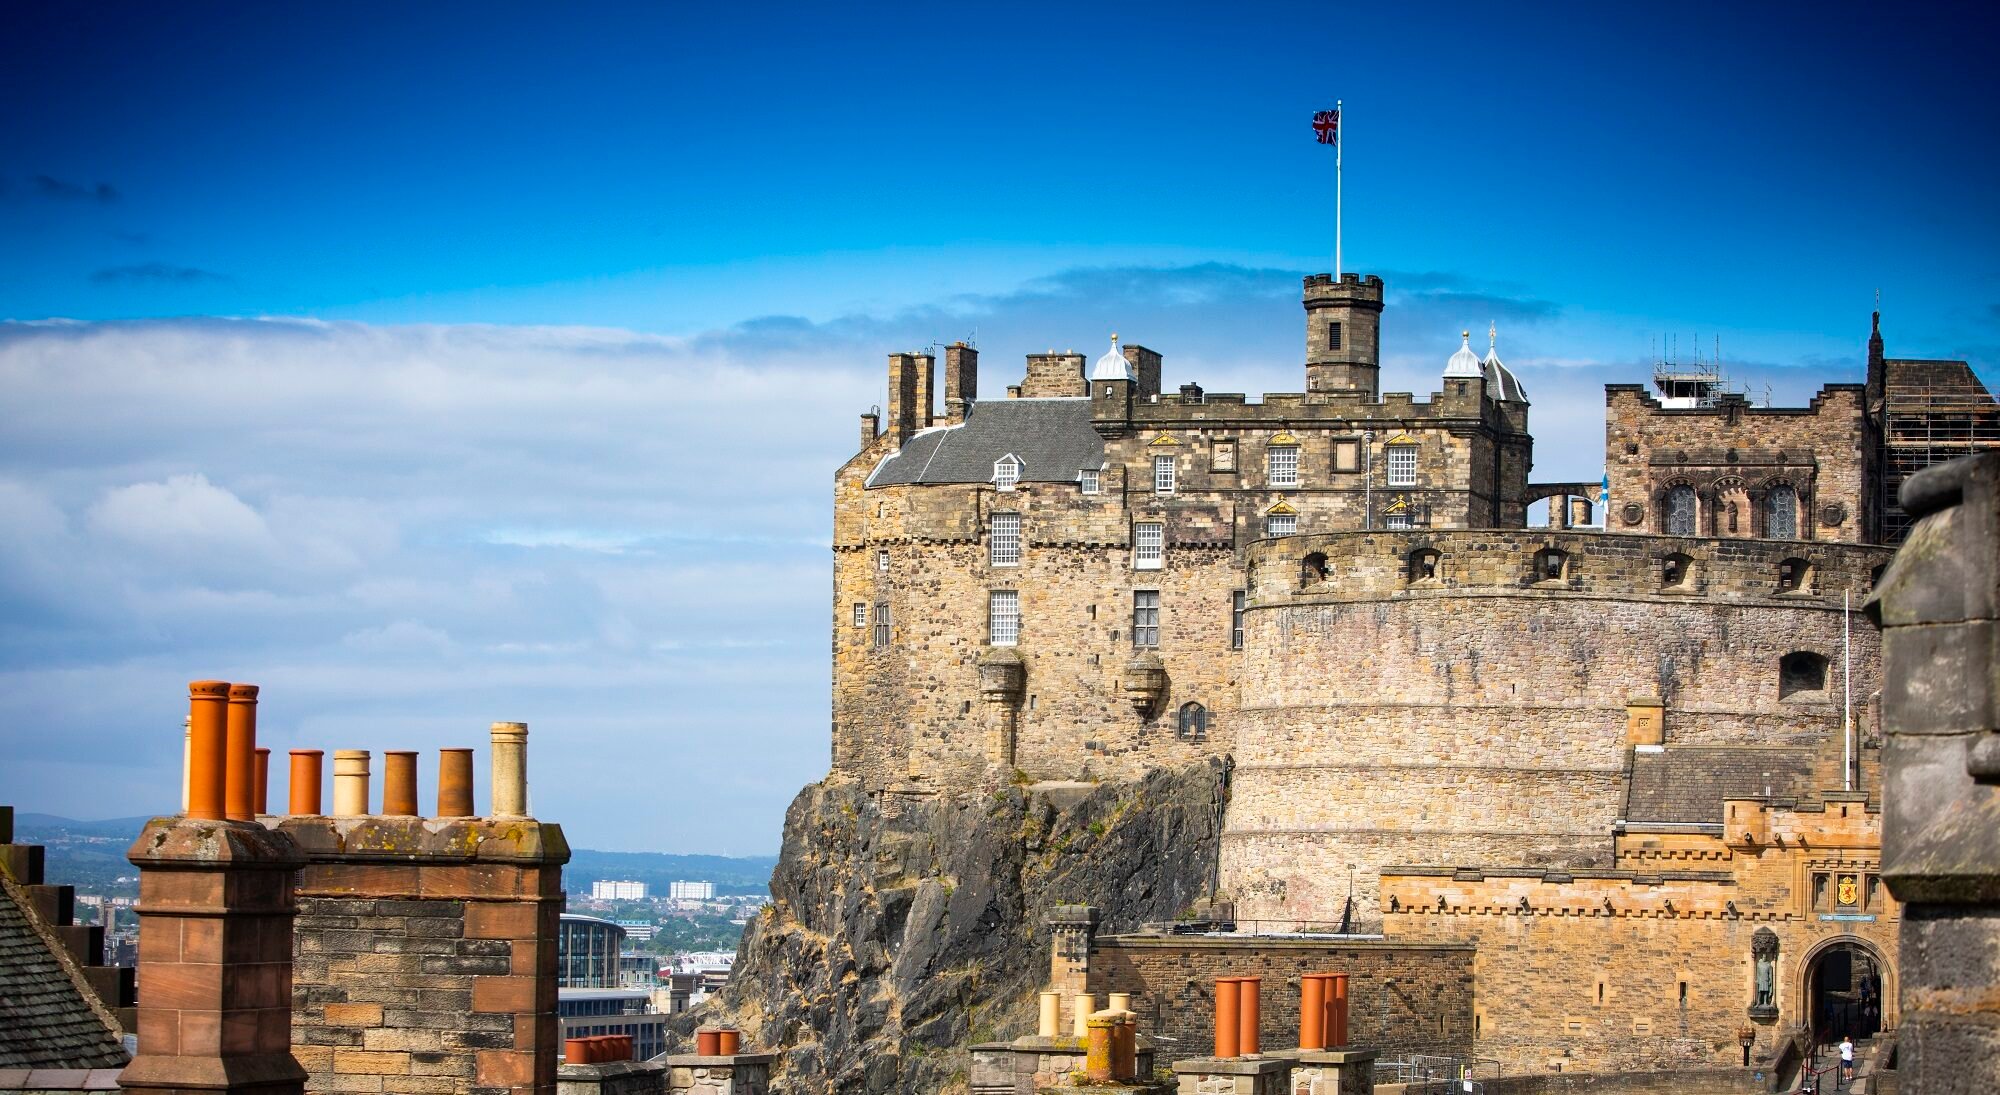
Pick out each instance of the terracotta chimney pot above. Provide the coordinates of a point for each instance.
(399, 783)
(240, 778)
(262, 784)
(305, 781)
(350, 782)
(455, 783)
(1228, 1024)
(510, 769)
(708, 1042)
(1250, 1015)
(1312, 1011)
(729, 1041)
(1097, 1047)
(208, 752)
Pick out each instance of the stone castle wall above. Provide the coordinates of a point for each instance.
(1735, 452)
(1480, 717)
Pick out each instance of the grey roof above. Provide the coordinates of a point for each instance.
(45, 1021)
(1688, 783)
(1051, 437)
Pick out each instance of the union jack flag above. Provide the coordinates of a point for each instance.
(1326, 124)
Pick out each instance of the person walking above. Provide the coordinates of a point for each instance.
(1846, 1058)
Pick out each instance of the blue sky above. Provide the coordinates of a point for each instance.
(442, 364)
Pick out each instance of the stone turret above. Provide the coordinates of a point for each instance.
(1343, 334)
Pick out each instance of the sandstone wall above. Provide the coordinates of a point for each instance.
(1479, 718)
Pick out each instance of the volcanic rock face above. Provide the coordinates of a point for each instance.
(904, 928)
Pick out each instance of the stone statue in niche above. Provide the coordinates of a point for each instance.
(1764, 950)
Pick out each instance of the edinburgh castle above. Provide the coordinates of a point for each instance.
(1598, 794)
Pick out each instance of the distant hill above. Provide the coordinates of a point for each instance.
(90, 855)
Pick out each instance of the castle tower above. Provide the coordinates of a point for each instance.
(1344, 334)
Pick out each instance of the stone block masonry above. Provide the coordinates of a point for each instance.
(424, 954)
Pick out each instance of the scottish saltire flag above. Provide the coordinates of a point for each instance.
(1326, 125)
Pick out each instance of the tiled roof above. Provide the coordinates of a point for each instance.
(1051, 437)
(46, 1022)
(1686, 784)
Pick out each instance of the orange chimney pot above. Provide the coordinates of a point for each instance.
(208, 755)
(399, 783)
(305, 781)
(240, 770)
(261, 800)
(455, 783)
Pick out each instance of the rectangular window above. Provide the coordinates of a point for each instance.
(1163, 475)
(1398, 520)
(1149, 545)
(860, 614)
(881, 623)
(882, 561)
(1281, 524)
(1283, 464)
(1004, 540)
(1006, 473)
(1347, 456)
(1333, 335)
(1236, 619)
(1402, 465)
(1003, 617)
(1146, 618)
(1086, 480)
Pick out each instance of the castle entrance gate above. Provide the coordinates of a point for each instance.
(1844, 984)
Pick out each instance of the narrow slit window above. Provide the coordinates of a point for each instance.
(881, 623)
(1236, 600)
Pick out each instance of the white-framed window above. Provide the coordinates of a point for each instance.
(1402, 465)
(1006, 473)
(881, 623)
(1163, 475)
(1236, 600)
(1003, 617)
(882, 560)
(1004, 541)
(860, 614)
(1398, 520)
(1281, 524)
(1086, 481)
(1145, 618)
(1149, 545)
(1281, 463)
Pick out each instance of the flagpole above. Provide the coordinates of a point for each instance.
(1339, 141)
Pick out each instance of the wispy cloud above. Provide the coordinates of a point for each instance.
(159, 273)
(48, 186)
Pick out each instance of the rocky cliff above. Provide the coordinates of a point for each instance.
(905, 928)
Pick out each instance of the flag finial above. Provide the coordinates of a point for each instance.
(1492, 336)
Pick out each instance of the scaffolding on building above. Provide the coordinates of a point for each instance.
(1932, 411)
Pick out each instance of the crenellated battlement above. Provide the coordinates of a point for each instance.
(1371, 566)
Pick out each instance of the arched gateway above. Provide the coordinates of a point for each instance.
(1848, 988)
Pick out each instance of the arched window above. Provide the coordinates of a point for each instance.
(1423, 565)
(1675, 568)
(1551, 565)
(1312, 571)
(1801, 671)
(1794, 575)
(1680, 510)
(1782, 509)
(1193, 722)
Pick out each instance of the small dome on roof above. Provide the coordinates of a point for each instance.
(1112, 366)
(1501, 383)
(1464, 363)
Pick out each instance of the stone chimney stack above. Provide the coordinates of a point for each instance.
(909, 394)
(961, 381)
(1145, 370)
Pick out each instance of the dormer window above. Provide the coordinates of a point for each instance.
(1086, 481)
(1006, 472)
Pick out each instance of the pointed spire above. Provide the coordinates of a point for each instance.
(1492, 337)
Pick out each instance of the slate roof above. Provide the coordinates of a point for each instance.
(1052, 437)
(45, 1020)
(1686, 784)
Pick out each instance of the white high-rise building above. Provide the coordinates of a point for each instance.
(609, 890)
(691, 891)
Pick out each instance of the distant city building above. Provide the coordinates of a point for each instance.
(583, 1013)
(587, 950)
(610, 890)
(638, 931)
(691, 891)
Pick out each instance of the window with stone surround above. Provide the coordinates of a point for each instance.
(1333, 335)
(1551, 565)
(1680, 510)
(1282, 465)
(1149, 545)
(1781, 521)
(1794, 576)
(1003, 540)
(1281, 524)
(1006, 472)
(1236, 600)
(1003, 617)
(1163, 475)
(1145, 618)
(1086, 481)
(882, 561)
(881, 623)
(1402, 460)
(1423, 565)
(1193, 723)
(860, 614)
